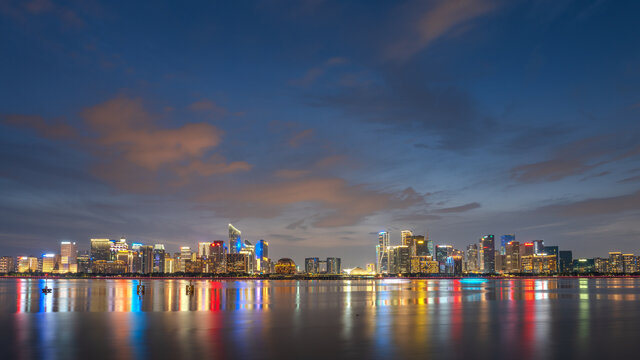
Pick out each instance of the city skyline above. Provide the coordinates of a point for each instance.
(315, 125)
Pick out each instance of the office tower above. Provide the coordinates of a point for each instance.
(169, 264)
(203, 250)
(235, 240)
(311, 265)
(382, 252)
(527, 249)
(500, 262)
(334, 265)
(472, 258)
(250, 250)
(512, 256)
(118, 245)
(237, 262)
(504, 240)
(399, 259)
(565, 261)
(453, 265)
(68, 257)
(7, 264)
(421, 247)
(583, 266)
(629, 263)
(615, 262)
(185, 257)
(100, 249)
(404, 236)
(487, 243)
(27, 264)
(217, 257)
(136, 246)
(49, 263)
(538, 246)
(430, 247)
(84, 262)
(442, 253)
(553, 251)
(158, 258)
(601, 265)
(146, 257)
(262, 255)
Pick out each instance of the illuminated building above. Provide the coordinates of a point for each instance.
(527, 249)
(185, 256)
(501, 263)
(504, 240)
(400, 259)
(237, 263)
(285, 266)
(27, 264)
(382, 252)
(7, 264)
(442, 253)
(583, 266)
(371, 268)
(551, 250)
(629, 263)
(487, 243)
(311, 265)
(217, 257)
(100, 249)
(602, 265)
(565, 261)
(262, 256)
(158, 258)
(616, 265)
(235, 240)
(204, 249)
(472, 258)
(405, 237)
(334, 265)
(539, 264)
(418, 246)
(538, 246)
(512, 257)
(169, 265)
(118, 245)
(146, 256)
(109, 267)
(68, 257)
(49, 263)
(250, 250)
(84, 263)
(453, 265)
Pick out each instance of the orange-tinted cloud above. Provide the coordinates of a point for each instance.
(435, 22)
(299, 137)
(56, 130)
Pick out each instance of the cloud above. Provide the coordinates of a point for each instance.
(439, 19)
(207, 106)
(459, 209)
(596, 206)
(413, 217)
(578, 157)
(50, 129)
(315, 72)
(299, 137)
(337, 203)
(631, 179)
(297, 225)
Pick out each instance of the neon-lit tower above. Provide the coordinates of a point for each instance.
(235, 242)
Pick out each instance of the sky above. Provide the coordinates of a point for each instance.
(316, 124)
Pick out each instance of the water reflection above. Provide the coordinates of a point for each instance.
(529, 318)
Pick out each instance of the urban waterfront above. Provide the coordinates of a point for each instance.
(389, 318)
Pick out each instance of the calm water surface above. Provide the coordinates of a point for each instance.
(368, 319)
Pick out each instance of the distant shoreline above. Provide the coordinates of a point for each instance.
(306, 277)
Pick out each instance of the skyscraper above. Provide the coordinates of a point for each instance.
(334, 265)
(487, 243)
(504, 240)
(68, 257)
(185, 257)
(382, 252)
(203, 250)
(146, 254)
(472, 258)
(158, 258)
(235, 240)
(311, 265)
(100, 249)
(565, 261)
(405, 236)
(538, 246)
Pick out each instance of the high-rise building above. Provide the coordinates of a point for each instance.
(7, 264)
(311, 265)
(68, 257)
(382, 252)
(249, 249)
(565, 261)
(204, 249)
(169, 264)
(237, 262)
(583, 266)
(84, 262)
(504, 240)
(334, 265)
(217, 257)
(629, 264)
(399, 259)
(158, 258)
(235, 240)
(442, 253)
(27, 264)
(538, 246)
(100, 249)
(262, 256)
(552, 250)
(512, 257)
(185, 256)
(118, 245)
(146, 256)
(472, 258)
(615, 262)
(405, 236)
(601, 265)
(49, 262)
(421, 247)
(487, 243)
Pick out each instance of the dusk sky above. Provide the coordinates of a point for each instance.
(316, 124)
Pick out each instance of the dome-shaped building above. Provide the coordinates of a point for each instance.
(285, 266)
